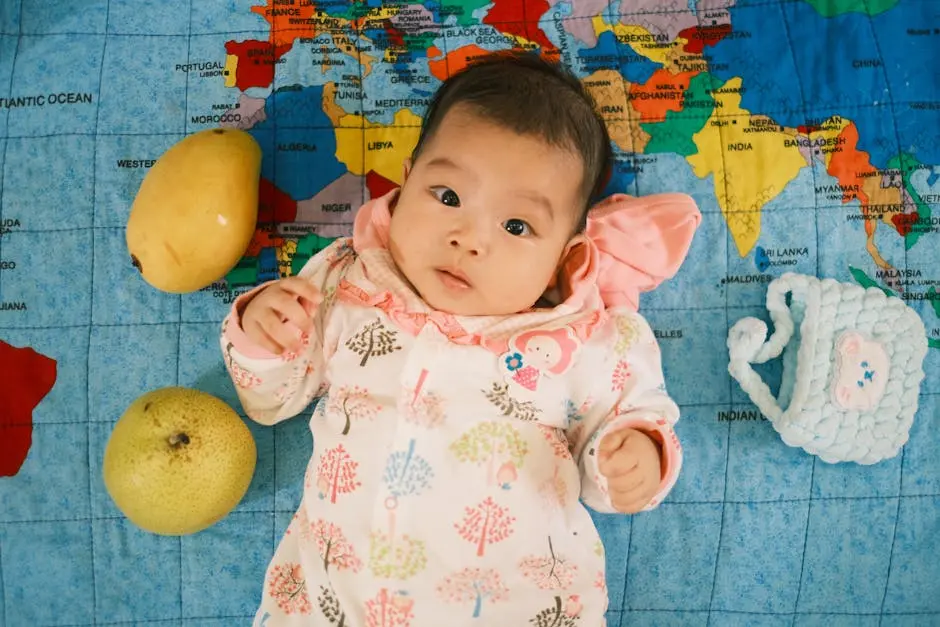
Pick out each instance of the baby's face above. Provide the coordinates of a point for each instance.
(484, 217)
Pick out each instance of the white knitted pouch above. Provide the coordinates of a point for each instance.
(852, 367)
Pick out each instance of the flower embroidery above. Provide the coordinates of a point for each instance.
(513, 362)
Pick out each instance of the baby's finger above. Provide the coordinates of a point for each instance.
(258, 335)
(611, 442)
(310, 307)
(284, 334)
(627, 486)
(292, 311)
(288, 336)
(303, 289)
(618, 464)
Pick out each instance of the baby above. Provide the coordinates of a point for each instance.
(482, 368)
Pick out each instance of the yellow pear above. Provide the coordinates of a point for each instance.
(178, 461)
(196, 210)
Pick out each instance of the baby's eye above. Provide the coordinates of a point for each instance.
(446, 196)
(517, 227)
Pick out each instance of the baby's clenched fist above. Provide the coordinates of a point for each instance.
(630, 460)
(278, 317)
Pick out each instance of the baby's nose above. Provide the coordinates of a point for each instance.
(463, 244)
(470, 237)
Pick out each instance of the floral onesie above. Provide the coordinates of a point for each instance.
(452, 454)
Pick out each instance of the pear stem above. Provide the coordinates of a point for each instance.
(178, 440)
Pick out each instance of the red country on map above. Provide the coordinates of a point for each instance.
(520, 19)
(26, 376)
(395, 36)
(700, 36)
(256, 61)
(378, 185)
(275, 205)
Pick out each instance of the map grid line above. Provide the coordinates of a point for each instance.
(91, 329)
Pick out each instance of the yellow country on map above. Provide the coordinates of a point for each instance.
(386, 147)
(656, 48)
(751, 163)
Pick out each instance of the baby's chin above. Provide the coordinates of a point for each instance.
(468, 307)
(450, 305)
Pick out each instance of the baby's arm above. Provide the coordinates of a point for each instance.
(639, 402)
(271, 386)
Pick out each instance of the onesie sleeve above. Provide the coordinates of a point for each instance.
(274, 387)
(629, 393)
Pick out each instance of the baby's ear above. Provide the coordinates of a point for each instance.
(573, 249)
(572, 258)
(406, 170)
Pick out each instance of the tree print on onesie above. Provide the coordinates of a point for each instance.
(552, 571)
(353, 404)
(498, 447)
(407, 474)
(287, 584)
(337, 553)
(373, 340)
(423, 407)
(336, 474)
(473, 586)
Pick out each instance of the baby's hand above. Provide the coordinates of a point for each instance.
(278, 316)
(629, 459)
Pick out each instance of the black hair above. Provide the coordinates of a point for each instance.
(529, 95)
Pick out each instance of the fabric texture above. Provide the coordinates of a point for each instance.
(853, 365)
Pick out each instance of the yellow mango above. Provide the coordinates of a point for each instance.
(196, 210)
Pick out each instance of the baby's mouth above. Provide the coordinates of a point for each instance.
(453, 278)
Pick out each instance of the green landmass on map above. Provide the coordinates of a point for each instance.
(866, 281)
(417, 42)
(354, 11)
(674, 134)
(250, 269)
(907, 164)
(933, 296)
(463, 10)
(832, 8)
(245, 273)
